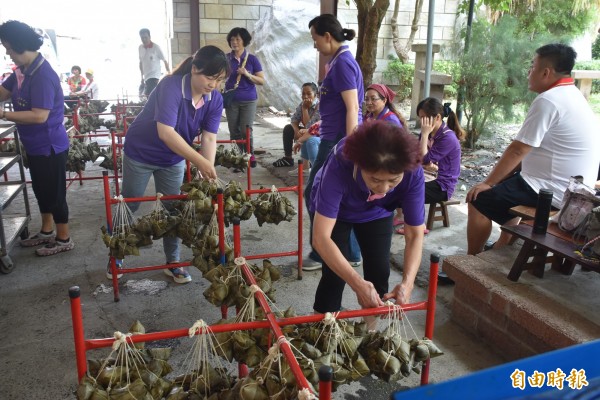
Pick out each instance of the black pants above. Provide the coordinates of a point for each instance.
(48, 180)
(375, 241)
(288, 140)
(150, 85)
(434, 193)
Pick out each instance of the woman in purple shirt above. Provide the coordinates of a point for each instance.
(184, 105)
(38, 104)
(246, 74)
(342, 92)
(364, 179)
(440, 147)
(379, 104)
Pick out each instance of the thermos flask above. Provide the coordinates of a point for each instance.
(542, 212)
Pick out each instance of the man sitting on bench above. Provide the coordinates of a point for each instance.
(557, 140)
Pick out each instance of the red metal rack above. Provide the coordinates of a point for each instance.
(82, 345)
(109, 201)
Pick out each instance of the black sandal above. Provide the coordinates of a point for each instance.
(284, 162)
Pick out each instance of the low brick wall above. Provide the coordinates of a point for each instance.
(517, 319)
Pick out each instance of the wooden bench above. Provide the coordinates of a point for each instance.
(526, 212)
(439, 212)
(537, 246)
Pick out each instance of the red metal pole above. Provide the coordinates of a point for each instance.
(300, 215)
(325, 378)
(115, 163)
(284, 346)
(109, 228)
(430, 315)
(248, 150)
(78, 333)
(237, 245)
(76, 116)
(221, 223)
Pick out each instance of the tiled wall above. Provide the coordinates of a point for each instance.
(217, 17)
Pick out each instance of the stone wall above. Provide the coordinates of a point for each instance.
(217, 17)
(282, 41)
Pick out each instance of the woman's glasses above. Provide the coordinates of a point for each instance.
(372, 99)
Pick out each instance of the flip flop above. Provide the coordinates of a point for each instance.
(400, 231)
(398, 222)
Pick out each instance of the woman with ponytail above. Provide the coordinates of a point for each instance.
(184, 105)
(341, 97)
(440, 149)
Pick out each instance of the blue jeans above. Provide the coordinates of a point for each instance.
(310, 148)
(167, 180)
(325, 147)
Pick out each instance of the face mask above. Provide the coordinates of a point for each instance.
(375, 196)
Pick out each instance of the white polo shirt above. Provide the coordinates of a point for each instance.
(150, 59)
(563, 131)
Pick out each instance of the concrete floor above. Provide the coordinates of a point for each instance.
(36, 343)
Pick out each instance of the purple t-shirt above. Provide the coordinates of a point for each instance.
(171, 104)
(336, 193)
(445, 152)
(246, 90)
(344, 74)
(385, 115)
(40, 89)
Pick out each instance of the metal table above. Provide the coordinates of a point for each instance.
(12, 225)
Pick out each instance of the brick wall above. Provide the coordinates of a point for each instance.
(516, 319)
(217, 17)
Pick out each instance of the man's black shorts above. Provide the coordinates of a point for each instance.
(497, 202)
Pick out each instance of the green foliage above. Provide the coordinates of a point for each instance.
(561, 18)
(596, 48)
(590, 65)
(493, 73)
(400, 76)
(555, 17)
(451, 68)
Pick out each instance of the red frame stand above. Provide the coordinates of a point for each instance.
(82, 345)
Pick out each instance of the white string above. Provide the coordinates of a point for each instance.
(122, 219)
(203, 351)
(126, 354)
(306, 394)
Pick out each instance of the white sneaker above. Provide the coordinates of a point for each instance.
(311, 265)
(294, 172)
(355, 264)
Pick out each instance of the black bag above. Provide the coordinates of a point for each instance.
(228, 97)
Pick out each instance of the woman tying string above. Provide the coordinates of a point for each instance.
(365, 177)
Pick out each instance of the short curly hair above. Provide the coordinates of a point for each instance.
(241, 32)
(380, 146)
(20, 36)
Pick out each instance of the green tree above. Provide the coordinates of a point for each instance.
(563, 18)
(493, 73)
(370, 16)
